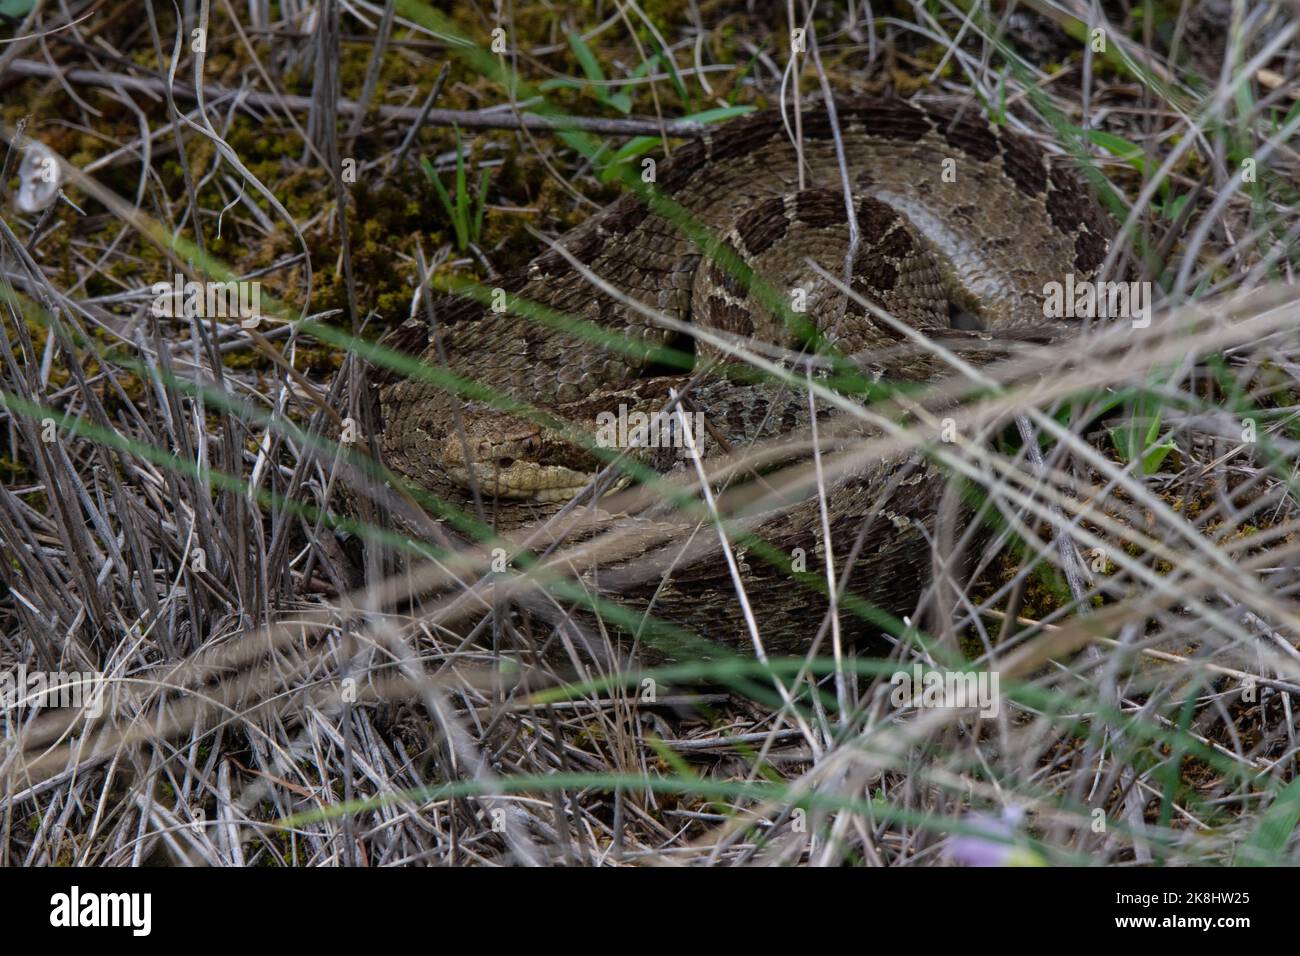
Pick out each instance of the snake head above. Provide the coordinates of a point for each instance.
(508, 457)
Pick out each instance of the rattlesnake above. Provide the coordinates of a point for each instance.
(956, 216)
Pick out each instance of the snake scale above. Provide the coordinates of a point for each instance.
(955, 217)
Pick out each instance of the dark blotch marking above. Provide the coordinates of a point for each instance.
(454, 310)
(586, 246)
(410, 338)
(817, 125)
(969, 134)
(873, 276)
(742, 136)
(583, 244)
(1069, 206)
(1073, 212)
(897, 244)
(1089, 251)
(1023, 163)
(626, 214)
(721, 273)
(726, 317)
(819, 208)
(894, 120)
(875, 218)
(686, 162)
(1066, 204)
(763, 225)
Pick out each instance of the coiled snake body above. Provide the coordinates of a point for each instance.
(955, 216)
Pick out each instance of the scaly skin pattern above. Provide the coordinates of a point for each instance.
(954, 216)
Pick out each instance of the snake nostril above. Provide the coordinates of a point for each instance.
(505, 462)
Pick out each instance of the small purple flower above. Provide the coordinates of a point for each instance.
(993, 845)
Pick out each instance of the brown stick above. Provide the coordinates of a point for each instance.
(467, 119)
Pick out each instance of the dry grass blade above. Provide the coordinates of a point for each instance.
(228, 637)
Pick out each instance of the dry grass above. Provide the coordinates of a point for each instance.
(286, 681)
